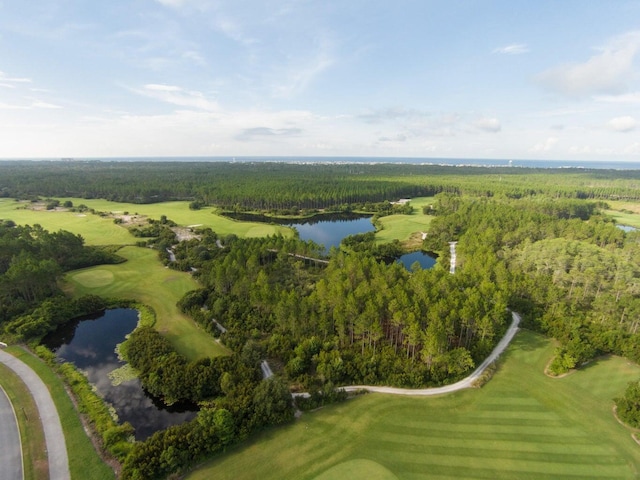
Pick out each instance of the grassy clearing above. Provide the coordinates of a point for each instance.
(179, 212)
(98, 230)
(521, 424)
(84, 462)
(143, 278)
(94, 229)
(32, 436)
(625, 213)
(406, 228)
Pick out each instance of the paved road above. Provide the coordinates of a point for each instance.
(462, 384)
(53, 435)
(10, 449)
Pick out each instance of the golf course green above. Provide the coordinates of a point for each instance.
(522, 424)
(143, 278)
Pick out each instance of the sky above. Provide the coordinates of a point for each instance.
(508, 79)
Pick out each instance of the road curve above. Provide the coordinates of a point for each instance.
(53, 434)
(462, 384)
(10, 446)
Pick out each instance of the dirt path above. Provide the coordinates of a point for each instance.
(462, 384)
(53, 434)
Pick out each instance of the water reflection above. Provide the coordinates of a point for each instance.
(89, 343)
(425, 260)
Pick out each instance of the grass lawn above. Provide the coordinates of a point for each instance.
(143, 278)
(625, 213)
(34, 451)
(84, 462)
(94, 229)
(179, 212)
(98, 230)
(521, 424)
(406, 228)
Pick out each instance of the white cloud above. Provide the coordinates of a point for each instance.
(11, 80)
(513, 49)
(488, 124)
(623, 124)
(608, 71)
(175, 95)
(633, 97)
(545, 146)
(296, 78)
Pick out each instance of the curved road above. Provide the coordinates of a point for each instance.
(462, 384)
(10, 448)
(53, 435)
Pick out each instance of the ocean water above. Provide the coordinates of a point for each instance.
(601, 164)
(478, 162)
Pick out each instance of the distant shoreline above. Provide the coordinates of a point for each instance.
(453, 162)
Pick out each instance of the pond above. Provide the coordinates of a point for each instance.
(327, 229)
(425, 260)
(331, 232)
(89, 343)
(627, 228)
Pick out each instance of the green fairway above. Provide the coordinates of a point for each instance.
(143, 278)
(180, 213)
(97, 230)
(94, 229)
(406, 227)
(521, 424)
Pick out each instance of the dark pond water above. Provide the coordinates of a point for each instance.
(326, 229)
(90, 343)
(425, 260)
(331, 232)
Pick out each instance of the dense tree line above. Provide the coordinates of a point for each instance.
(268, 186)
(31, 262)
(357, 320)
(235, 403)
(574, 274)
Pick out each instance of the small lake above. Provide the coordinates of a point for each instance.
(89, 343)
(327, 229)
(627, 228)
(425, 260)
(331, 232)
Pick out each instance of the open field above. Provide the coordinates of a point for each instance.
(179, 212)
(406, 227)
(625, 213)
(94, 229)
(143, 278)
(31, 433)
(84, 462)
(521, 424)
(98, 230)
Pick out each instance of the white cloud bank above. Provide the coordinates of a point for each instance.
(608, 71)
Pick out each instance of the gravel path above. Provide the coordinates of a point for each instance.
(54, 437)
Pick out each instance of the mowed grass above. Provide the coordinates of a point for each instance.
(406, 227)
(84, 462)
(180, 213)
(97, 230)
(34, 452)
(143, 278)
(625, 213)
(521, 425)
(94, 229)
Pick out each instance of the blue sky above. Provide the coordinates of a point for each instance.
(515, 79)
